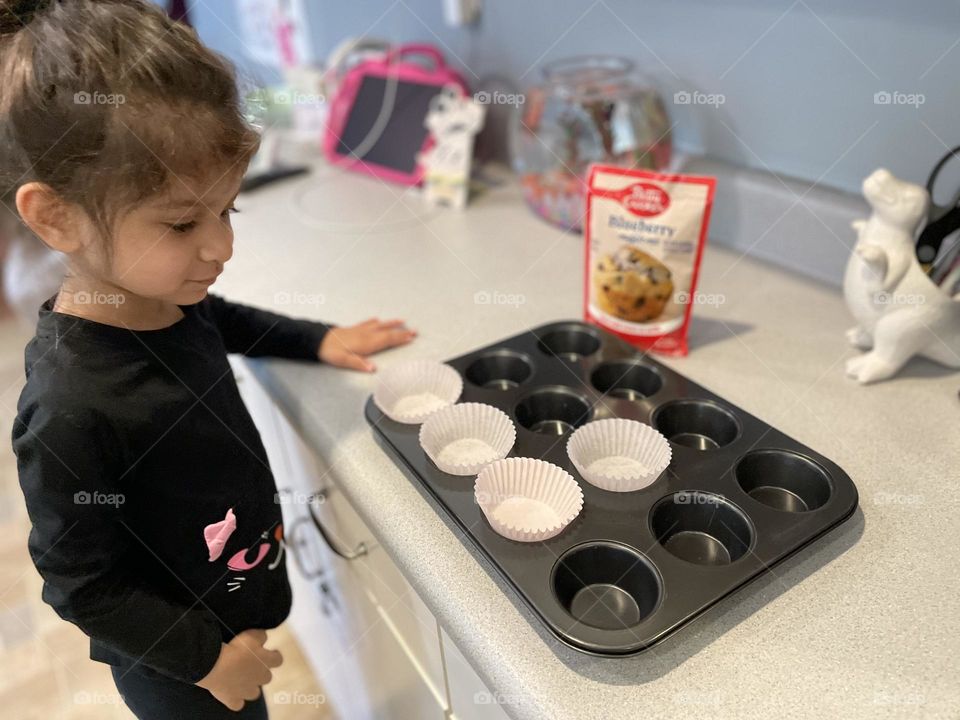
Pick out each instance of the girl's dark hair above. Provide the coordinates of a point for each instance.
(110, 102)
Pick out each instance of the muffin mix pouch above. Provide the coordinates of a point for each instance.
(645, 233)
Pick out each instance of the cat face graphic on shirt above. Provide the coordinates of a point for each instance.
(242, 561)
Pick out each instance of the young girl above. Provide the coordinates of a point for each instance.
(154, 521)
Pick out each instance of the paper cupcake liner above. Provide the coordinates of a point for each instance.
(461, 439)
(412, 391)
(527, 500)
(618, 454)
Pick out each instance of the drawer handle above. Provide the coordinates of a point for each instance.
(359, 551)
(294, 543)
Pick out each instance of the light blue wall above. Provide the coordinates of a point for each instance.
(798, 77)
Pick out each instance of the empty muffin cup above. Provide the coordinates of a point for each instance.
(461, 439)
(698, 424)
(701, 528)
(499, 370)
(553, 410)
(410, 392)
(527, 500)
(627, 379)
(570, 343)
(606, 585)
(783, 480)
(619, 455)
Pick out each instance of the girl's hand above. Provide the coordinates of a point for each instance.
(243, 666)
(347, 347)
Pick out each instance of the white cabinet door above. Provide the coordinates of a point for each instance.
(470, 698)
(317, 616)
(393, 682)
(385, 684)
(372, 643)
(318, 612)
(392, 688)
(412, 624)
(352, 643)
(408, 618)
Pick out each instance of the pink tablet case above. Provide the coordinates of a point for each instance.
(392, 66)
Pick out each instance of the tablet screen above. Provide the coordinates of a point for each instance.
(404, 133)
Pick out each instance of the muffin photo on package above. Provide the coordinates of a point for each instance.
(645, 233)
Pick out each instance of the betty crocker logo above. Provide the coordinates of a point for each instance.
(644, 199)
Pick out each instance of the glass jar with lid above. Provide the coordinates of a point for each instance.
(588, 109)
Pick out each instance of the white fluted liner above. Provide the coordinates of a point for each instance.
(410, 392)
(526, 499)
(618, 454)
(461, 439)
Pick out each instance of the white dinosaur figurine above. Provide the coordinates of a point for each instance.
(900, 312)
(453, 120)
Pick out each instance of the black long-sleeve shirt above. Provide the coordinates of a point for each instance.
(136, 456)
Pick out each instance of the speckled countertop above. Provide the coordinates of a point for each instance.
(864, 623)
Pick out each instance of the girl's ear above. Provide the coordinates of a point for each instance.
(60, 225)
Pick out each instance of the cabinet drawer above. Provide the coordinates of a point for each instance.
(317, 614)
(372, 642)
(470, 698)
(394, 687)
(402, 610)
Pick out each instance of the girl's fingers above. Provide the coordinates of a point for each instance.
(378, 324)
(254, 692)
(404, 336)
(272, 658)
(353, 361)
(259, 635)
(392, 338)
(373, 336)
(396, 331)
(231, 702)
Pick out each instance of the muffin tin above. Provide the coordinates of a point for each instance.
(738, 497)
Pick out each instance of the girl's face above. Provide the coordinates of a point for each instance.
(172, 247)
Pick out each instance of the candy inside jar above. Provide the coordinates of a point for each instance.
(589, 109)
